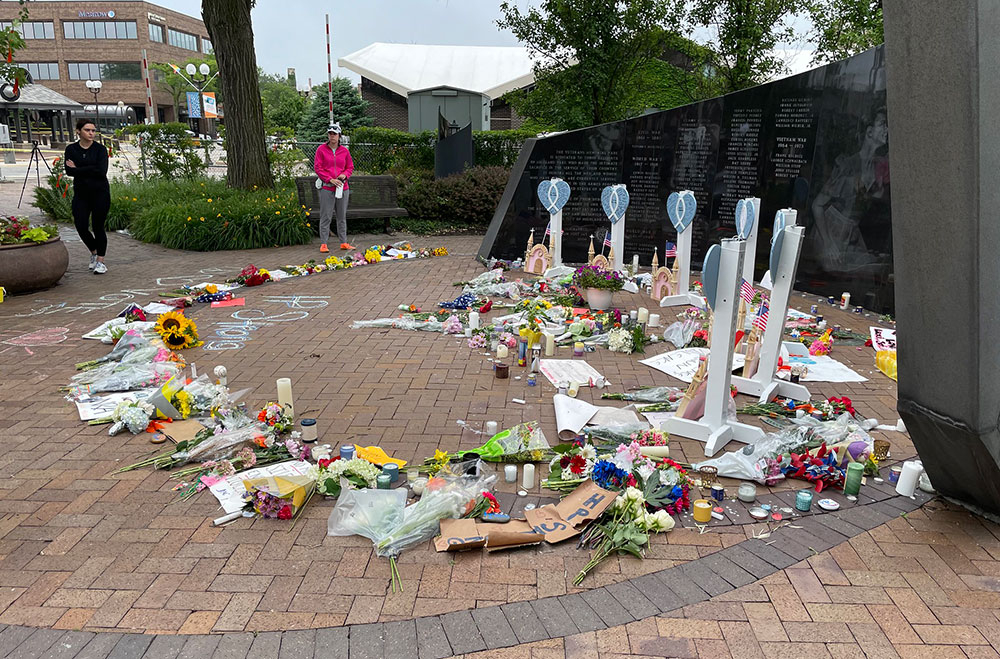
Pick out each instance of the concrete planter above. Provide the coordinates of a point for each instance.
(32, 266)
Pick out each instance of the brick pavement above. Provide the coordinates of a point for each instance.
(80, 549)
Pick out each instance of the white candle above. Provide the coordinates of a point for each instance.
(474, 319)
(908, 478)
(550, 345)
(635, 263)
(285, 395)
(643, 315)
(510, 473)
(502, 351)
(528, 477)
(468, 332)
(633, 315)
(491, 428)
(654, 320)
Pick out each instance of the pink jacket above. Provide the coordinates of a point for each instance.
(329, 164)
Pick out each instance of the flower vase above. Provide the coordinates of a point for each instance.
(598, 299)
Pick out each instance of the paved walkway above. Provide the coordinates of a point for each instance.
(84, 550)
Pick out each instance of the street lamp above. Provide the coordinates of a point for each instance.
(200, 83)
(95, 88)
(121, 114)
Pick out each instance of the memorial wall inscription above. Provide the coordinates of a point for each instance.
(816, 142)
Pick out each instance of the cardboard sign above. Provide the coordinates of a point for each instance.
(180, 431)
(513, 534)
(585, 503)
(459, 535)
(548, 522)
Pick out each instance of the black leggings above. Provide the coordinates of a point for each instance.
(91, 208)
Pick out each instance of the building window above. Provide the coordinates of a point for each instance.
(33, 29)
(206, 46)
(43, 70)
(99, 29)
(105, 71)
(156, 33)
(182, 39)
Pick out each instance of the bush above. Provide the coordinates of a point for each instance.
(469, 198)
(55, 198)
(379, 150)
(169, 150)
(499, 148)
(238, 219)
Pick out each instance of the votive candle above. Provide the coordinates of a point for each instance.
(550, 344)
(654, 320)
(491, 428)
(528, 476)
(502, 351)
(510, 473)
(285, 395)
(643, 315)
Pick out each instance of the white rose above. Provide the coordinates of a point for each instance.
(634, 495)
(664, 522)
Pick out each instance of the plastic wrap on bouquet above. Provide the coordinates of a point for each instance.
(122, 378)
(430, 325)
(525, 442)
(221, 446)
(369, 513)
(681, 332)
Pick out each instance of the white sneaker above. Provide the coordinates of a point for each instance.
(93, 260)
(100, 268)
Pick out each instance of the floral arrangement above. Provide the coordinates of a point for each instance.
(650, 437)
(573, 464)
(131, 414)
(251, 276)
(819, 467)
(329, 474)
(452, 326)
(372, 256)
(823, 344)
(177, 331)
(594, 276)
(699, 339)
(841, 405)
(18, 230)
(276, 417)
(627, 339)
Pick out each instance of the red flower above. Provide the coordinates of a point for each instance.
(323, 464)
(285, 512)
(486, 307)
(564, 461)
(631, 482)
(578, 464)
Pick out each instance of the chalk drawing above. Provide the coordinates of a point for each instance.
(234, 334)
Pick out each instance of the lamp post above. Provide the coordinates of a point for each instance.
(200, 83)
(121, 114)
(95, 88)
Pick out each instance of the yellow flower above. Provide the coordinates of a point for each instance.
(211, 288)
(189, 218)
(209, 200)
(134, 199)
(218, 214)
(277, 212)
(440, 456)
(308, 225)
(202, 219)
(307, 213)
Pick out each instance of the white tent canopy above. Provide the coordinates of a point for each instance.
(403, 68)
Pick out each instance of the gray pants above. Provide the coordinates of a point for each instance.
(328, 204)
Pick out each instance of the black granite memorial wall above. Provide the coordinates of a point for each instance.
(816, 142)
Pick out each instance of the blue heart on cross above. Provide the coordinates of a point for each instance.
(779, 225)
(553, 193)
(746, 215)
(614, 200)
(681, 207)
(710, 274)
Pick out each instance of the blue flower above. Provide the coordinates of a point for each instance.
(608, 476)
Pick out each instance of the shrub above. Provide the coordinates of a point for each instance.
(468, 198)
(594, 276)
(239, 220)
(169, 150)
(499, 148)
(55, 198)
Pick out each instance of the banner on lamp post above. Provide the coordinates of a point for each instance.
(194, 108)
(208, 98)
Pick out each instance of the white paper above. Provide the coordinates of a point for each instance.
(765, 281)
(393, 252)
(795, 314)
(230, 491)
(657, 419)
(568, 370)
(882, 338)
(156, 308)
(822, 368)
(278, 275)
(683, 363)
(101, 407)
(573, 414)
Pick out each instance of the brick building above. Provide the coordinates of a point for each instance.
(391, 73)
(68, 43)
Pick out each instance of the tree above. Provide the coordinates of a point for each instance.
(842, 28)
(589, 56)
(229, 26)
(177, 86)
(12, 76)
(349, 109)
(283, 105)
(746, 33)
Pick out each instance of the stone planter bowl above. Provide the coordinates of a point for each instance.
(32, 266)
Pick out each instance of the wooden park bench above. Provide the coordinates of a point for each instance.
(371, 197)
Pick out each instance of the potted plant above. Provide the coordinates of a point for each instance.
(598, 283)
(31, 258)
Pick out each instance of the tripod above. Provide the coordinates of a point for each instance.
(36, 157)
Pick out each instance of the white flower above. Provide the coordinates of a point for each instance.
(646, 470)
(662, 521)
(633, 494)
(620, 340)
(589, 452)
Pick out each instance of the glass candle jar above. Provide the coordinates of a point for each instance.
(747, 492)
(309, 432)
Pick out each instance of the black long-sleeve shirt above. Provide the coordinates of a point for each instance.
(91, 166)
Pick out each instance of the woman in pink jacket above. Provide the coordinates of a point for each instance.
(333, 166)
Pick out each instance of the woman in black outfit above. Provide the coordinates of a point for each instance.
(87, 162)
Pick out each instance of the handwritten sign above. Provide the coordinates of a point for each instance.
(235, 302)
(883, 339)
(459, 535)
(565, 520)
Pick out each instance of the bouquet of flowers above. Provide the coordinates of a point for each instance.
(524, 442)
(282, 497)
(177, 331)
(131, 414)
(573, 464)
(331, 475)
(251, 276)
(627, 340)
(275, 417)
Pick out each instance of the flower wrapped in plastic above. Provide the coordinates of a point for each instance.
(525, 442)
(218, 446)
(123, 378)
(129, 342)
(131, 414)
(429, 325)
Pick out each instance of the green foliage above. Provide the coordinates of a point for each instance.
(283, 105)
(55, 198)
(469, 198)
(499, 148)
(376, 150)
(589, 56)
(205, 215)
(745, 35)
(845, 27)
(169, 151)
(11, 41)
(287, 161)
(18, 230)
(348, 108)
(175, 84)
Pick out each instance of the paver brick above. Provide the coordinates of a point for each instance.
(462, 632)
(525, 623)
(432, 642)
(400, 640)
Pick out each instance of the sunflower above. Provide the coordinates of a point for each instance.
(172, 321)
(177, 340)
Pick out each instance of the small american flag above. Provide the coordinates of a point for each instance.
(607, 239)
(670, 250)
(548, 228)
(760, 322)
(747, 292)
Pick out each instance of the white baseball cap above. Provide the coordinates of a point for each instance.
(334, 128)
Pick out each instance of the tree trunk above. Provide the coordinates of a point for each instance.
(228, 23)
